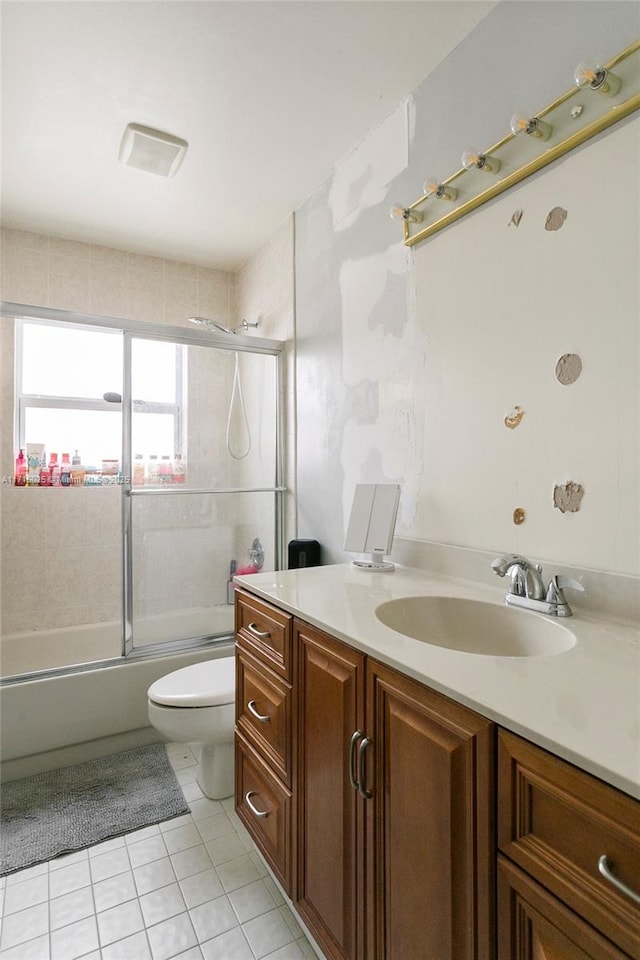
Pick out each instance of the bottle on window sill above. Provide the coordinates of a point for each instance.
(65, 471)
(21, 470)
(45, 476)
(138, 470)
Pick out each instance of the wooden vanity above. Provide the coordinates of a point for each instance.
(405, 826)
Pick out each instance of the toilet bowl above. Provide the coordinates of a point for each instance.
(197, 705)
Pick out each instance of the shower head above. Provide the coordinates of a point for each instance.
(210, 324)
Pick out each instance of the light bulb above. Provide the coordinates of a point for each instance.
(403, 213)
(437, 191)
(532, 126)
(473, 158)
(597, 78)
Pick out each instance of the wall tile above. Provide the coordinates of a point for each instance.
(109, 288)
(69, 283)
(25, 275)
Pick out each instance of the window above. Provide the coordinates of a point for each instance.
(69, 387)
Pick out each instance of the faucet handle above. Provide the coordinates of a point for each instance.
(557, 585)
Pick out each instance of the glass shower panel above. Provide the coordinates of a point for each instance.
(204, 463)
(231, 419)
(184, 549)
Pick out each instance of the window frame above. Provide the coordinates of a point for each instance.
(24, 401)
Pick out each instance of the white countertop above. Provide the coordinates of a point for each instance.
(582, 704)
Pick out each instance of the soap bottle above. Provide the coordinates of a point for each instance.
(65, 471)
(21, 470)
(153, 474)
(165, 469)
(54, 471)
(138, 470)
(179, 469)
(45, 476)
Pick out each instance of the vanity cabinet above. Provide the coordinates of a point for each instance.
(393, 814)
(373, 798)
(555, 823)
(265, 732)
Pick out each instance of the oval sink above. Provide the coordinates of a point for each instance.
(474, 626)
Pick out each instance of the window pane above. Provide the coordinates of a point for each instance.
(153, 434)
(95, 435)
(62, 361)
(153, 371)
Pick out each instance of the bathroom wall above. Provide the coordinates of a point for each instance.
(61, 561)
(409, 360)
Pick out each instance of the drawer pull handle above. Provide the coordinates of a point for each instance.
(252, 806)
(604, 866)
(362, 790)
(352, 757)
(251, 707)
(258, 633)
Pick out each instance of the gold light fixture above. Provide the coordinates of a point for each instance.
(433, 190)
(572, 118)
(597, 78)
(473, 158)
(532, 126)
(406, 214)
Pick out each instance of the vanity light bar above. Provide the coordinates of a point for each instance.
(600, 79)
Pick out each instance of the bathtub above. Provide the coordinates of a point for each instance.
(53, 721)
(34, 650)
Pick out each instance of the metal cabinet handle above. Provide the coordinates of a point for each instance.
(362, 790)
(251, 707)
(258, 633)
(604, 866)
(352, 756)
(252, 807)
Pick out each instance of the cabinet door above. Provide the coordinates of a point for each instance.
(533, 925)
(429, 824)
(330, 855)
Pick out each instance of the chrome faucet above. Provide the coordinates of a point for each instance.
(527, 589)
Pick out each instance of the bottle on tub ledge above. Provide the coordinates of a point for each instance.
(256, 559)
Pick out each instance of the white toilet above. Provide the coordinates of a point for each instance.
(197, 705)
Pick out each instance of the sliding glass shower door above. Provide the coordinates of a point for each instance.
(204, 487)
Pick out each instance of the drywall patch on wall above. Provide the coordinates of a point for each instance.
(360, 181)
(568, 368)
(567, 497)
(555, 218)
(514, 418)
(382, 360)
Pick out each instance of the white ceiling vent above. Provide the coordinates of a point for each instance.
(151, 150)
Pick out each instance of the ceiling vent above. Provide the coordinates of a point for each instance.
(151, 150)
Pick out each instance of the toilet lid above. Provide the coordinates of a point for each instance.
(207, 684)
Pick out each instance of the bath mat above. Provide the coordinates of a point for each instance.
(60, 811)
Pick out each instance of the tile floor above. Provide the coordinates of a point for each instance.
(193, 888)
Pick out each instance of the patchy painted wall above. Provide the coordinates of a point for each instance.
(380, 328)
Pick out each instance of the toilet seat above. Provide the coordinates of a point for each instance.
(211, 683)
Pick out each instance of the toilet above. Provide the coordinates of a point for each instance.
(197, 705)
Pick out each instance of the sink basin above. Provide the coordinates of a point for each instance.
(474, 626)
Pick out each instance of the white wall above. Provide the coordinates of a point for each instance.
(408, 360)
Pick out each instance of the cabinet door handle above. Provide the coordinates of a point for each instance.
(263, 718)
(257, 633)
(604, 866)
(252, 806)
(352, 758)
(361, 771)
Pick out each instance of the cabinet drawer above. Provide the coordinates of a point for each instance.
(556, 821)
(533, 925)
(266, 631)
(263, 712)
(264, 806)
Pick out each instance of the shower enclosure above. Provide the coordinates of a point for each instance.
(178, 473)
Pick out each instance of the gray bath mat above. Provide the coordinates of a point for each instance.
(64, 810)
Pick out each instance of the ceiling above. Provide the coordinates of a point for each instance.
(269, 95)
